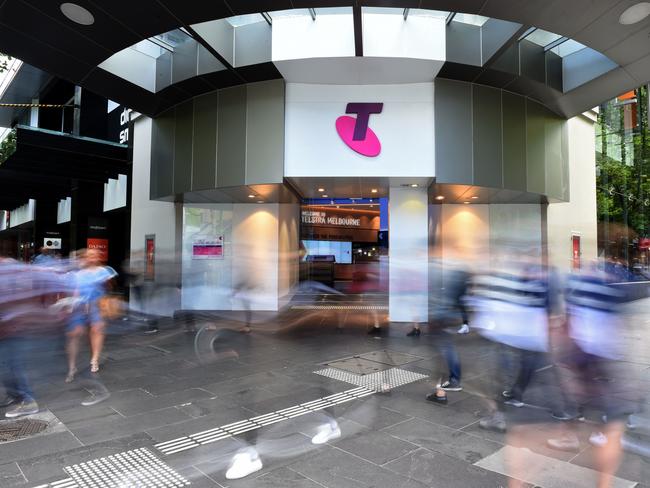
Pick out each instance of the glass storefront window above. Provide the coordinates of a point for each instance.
(622, 171)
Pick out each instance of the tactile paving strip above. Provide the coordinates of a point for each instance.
(136, 468)
(393, 378)
(218, 433)
(339, 307)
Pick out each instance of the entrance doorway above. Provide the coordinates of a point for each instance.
(344, 245)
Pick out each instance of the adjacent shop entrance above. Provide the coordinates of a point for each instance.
(344, 244)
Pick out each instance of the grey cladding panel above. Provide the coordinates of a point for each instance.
(533, 61)
(508, 62)
(162, 155)
(453, 122)
(495, 33)
(464, 43)
(183, 147)
(184, 61)
(252, 44)
(535, 147)
(204, 158)
(555, 182)
(554, 71)
(488, 154)
(514, 142)
(231, 137)
(265, 132)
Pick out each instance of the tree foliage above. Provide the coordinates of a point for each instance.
(8, 146)
(4, 62)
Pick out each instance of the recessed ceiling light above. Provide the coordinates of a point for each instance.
(414, 185)
(374, 190)
(324, 196)
(251, 196)
(321, 190)
(474, 197)
(635, 14)
(466, 203)
(77, 13)
(260, 201)
(440, 197)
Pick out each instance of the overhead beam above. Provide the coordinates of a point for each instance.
(358, 32)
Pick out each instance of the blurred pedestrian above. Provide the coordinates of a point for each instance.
(90, 281)
(594, 326)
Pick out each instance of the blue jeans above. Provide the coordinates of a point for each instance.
(447, 347)
(13, 357)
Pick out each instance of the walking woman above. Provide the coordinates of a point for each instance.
(89, 282)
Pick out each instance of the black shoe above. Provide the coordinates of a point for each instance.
(562, 416)
(375, 331)
(433, 397)
(8, 401)
(414, 332)
(451, 386)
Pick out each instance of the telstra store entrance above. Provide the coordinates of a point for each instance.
(344, 246)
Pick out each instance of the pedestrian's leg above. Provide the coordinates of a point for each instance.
(528, 363)
(96, 345)
(73, 338)
(608, 457)
(448, 349)
(21, 350)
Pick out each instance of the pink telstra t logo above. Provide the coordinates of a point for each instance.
(355, 131)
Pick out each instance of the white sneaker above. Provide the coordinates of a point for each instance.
(598, 439)
(243, 464)
(464, 329)
(326, 433)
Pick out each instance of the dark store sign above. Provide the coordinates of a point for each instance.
(315, 217)
(118, 124)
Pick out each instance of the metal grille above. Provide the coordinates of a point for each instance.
(391, 358)
(339, 307)
(393, 378)
(137, 468)
(229, 430)
(17, 429)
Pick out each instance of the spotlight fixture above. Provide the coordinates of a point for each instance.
(321, 190)
(251, 196)
(374, 190)
(635, 14)
(466, 203)
(440, 197)
(414, 185)
(325, 196)
(474, 197)
(77, 13)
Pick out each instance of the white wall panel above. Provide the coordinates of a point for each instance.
(298, 37)
(392, 36)
(408, 257)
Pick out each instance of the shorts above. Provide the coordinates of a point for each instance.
(84, 316)
(597, 377)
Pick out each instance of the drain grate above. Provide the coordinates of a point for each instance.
(393, 377)
(391, 358)
(17, 429)
(131, 468)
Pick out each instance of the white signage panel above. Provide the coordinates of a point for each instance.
(359, 130)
